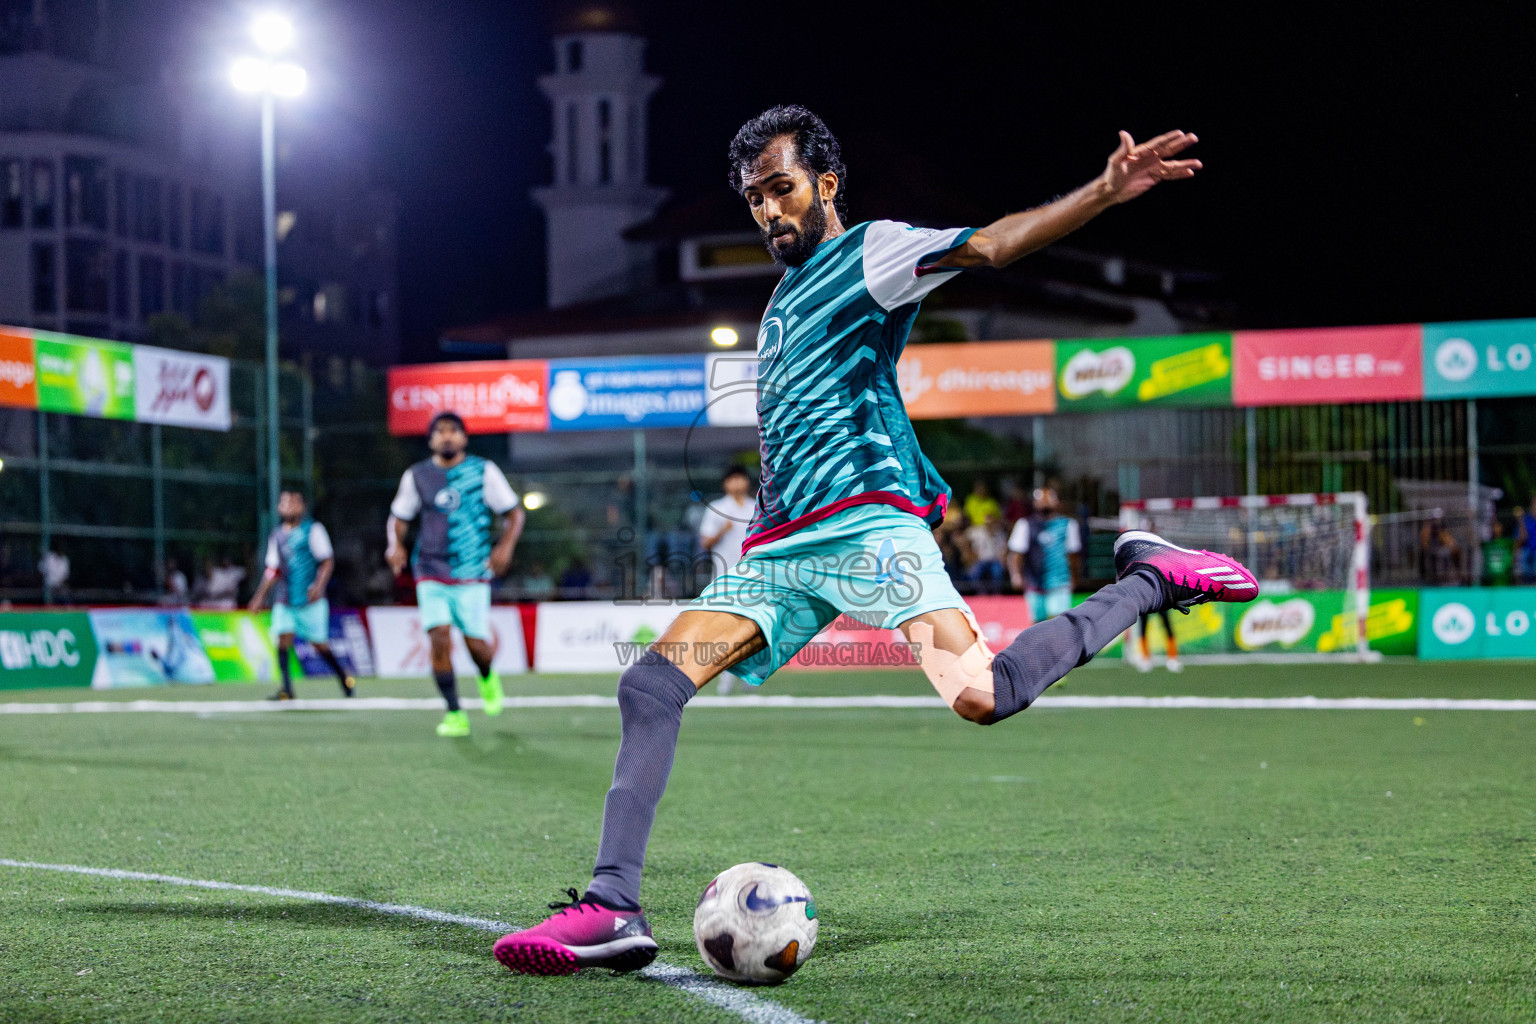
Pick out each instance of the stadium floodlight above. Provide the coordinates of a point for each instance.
(288, 80)
(273, 32)
(250, 74)
(534, 500)
(725, 337)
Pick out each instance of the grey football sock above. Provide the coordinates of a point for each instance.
(652, 693)
(1048, 650)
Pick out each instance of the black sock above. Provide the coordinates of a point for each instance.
(448, 687)
(334, 663)
(283, 654)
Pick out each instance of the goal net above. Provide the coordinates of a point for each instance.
(1311, 554)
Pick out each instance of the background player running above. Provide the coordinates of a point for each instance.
(458, 498)
(1044, 552)
(846, 501)
(299, 564)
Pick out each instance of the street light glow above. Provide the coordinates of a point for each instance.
(272, 32)
(287, 80)
(534, 500)
(725, 337)
(250, 74)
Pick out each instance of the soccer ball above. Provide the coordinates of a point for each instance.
(755, 923)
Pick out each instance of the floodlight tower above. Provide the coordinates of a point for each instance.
(270, 77)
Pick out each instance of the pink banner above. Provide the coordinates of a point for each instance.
(1330, 364)
(848, 643)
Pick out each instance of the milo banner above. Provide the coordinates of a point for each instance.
(84, 376)
(1309, 622)
(237, 645)
(1462, 623)
(46, 649)
(1182, 370)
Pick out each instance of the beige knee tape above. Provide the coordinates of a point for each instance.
(949, 673)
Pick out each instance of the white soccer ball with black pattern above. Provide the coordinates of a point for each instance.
(755, 923)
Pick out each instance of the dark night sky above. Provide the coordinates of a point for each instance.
(1362, 165)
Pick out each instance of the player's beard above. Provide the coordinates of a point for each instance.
(813, 228)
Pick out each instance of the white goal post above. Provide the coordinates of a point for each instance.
(1303, 548)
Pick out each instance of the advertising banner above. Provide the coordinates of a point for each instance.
(500, 397)
(46, 649)
(848, 643)
(148, 647)
(348, 640)
(1328, 365)
(18, 370)
(1182, 370)
(1472, 360)
(1462, 623)
(998, 378)
(401, 649)
(182, 389)
(1309, 622)
(238, 645)
(84, 376)
(609, 394)
(593, 636)
(731, 399)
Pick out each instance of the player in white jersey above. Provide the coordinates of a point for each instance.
(846, 502)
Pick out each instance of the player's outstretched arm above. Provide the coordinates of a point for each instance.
(1131, 170)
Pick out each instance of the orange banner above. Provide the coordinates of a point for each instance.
(505, 396)
(18, 370)
(979, 378)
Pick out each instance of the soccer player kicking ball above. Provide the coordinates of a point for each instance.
(458, 498)
(847, 500)
(298, 564)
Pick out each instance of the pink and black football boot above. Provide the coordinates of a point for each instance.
(1187, 577)
(582, 933)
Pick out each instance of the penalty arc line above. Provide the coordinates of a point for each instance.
(775, 701)
(746, 1005)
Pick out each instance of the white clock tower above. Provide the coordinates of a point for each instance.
(599, 92)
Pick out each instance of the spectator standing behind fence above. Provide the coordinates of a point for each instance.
(176, 590)
(1525, 542)
(54, 568)
(1044, 552)
(980, 505)
(723, 529)
(988, 549)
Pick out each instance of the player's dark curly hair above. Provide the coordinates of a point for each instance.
(815, 145)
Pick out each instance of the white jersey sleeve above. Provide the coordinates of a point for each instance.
(1074, 537)
(497, 494)
(273, 561)
(407, 502)
(320, 543)
(898, 260)
(1019, 539)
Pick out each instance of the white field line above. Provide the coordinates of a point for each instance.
(746, 1005)
(217, 707)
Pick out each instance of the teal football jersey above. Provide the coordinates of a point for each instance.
(833, 430)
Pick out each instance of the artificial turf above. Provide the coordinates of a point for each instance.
(1069, 865)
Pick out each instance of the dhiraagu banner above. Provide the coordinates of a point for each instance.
(237, 644)
(1183, 370)
(84, 376)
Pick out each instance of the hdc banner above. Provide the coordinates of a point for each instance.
(505, 396)
(1328, 365)
(46, 649)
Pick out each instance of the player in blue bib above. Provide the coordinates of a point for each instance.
(458, 500)
(298, 568)
(847, 500)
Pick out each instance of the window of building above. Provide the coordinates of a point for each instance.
(120, 200)
(87, 276)
(148, 211)
(151, 286)
(85, 193)
(173, 215)
(13, 191)
(122, 294)
(45, 272)
(573, 55)
(604, 150)
(43, 180)
(181, 289)
(207, 233)
(570, 143)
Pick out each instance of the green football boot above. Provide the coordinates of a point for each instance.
(454, 723)
(490, 692)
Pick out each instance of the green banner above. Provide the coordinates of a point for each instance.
(84, 376)
(46, 649)
(1311, 622)
(1184, 370)
(238, 644)
(1462, 623)
(1481, 358)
